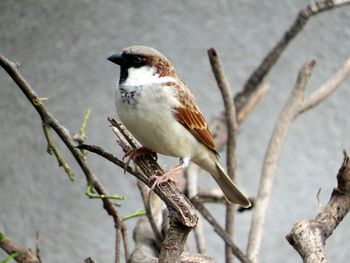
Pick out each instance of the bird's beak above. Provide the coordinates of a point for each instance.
(117, 59)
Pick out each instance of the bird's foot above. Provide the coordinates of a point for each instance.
(165, 177)
(159, 179)
(135, 153)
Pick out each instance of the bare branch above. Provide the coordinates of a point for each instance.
(219, 230)
(269, 61)
(182, 214)
(308, 237)
(146, 252)
(175, 239)
(37, 245)
(285, 119)
(253, 101)
(328, 87)
(49, 120)
(52, 149)
(167, 191)
(24, 254)
(89, 260)
(191, 175)
(231, 123)
(146, 197)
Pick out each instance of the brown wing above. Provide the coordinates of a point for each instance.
(189, 115)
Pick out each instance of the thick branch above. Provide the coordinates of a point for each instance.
(308, 237)
(174, 242)
(183, 216)
(168, 192)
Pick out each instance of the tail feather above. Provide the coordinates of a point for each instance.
(232, 193)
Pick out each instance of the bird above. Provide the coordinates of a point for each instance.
(162, 114)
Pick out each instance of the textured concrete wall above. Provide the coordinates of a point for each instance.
(62, 47)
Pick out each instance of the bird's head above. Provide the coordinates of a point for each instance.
(142, 61)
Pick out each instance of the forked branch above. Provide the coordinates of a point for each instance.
(308, 237)
(296, 105)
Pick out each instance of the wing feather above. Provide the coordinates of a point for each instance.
(189, 115)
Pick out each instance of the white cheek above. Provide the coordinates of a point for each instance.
(144, 76)
(140, 76)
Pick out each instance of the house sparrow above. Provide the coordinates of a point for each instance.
(162, 114)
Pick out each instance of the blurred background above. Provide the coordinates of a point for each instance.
(62, 47)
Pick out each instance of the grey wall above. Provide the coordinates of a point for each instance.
(62, 47)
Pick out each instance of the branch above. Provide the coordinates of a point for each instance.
(308, 237)
(182, 214)
(255, 87)
(191, 175)
(279, 134)
(219, 230)
(328, 87)
(294, 107)
(242, 98)
(49, 121)
(146, 252)
(146, 198)
(231, 123)
(24, 254)
(173, 198)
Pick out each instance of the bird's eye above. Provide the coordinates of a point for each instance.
(137, 60)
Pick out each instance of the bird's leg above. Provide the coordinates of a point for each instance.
(135, 153)
(166, 176)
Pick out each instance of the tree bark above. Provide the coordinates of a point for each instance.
(308, 237)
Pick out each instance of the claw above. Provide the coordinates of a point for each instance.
(159, 179)
(136, 153)
(165, 177)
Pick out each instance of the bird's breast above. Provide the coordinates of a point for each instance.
(148, 113)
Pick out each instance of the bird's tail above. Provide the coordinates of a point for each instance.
(232, 193)
(228, 187)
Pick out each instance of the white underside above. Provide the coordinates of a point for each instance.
(151, 119)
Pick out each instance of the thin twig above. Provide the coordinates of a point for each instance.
(63, 133)
(231, 123)
(147, 204)
(37, 245)
(308, 237)
(124, 232)
(191, 174)
(219, 230)
(52, 149)
(328, 87)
